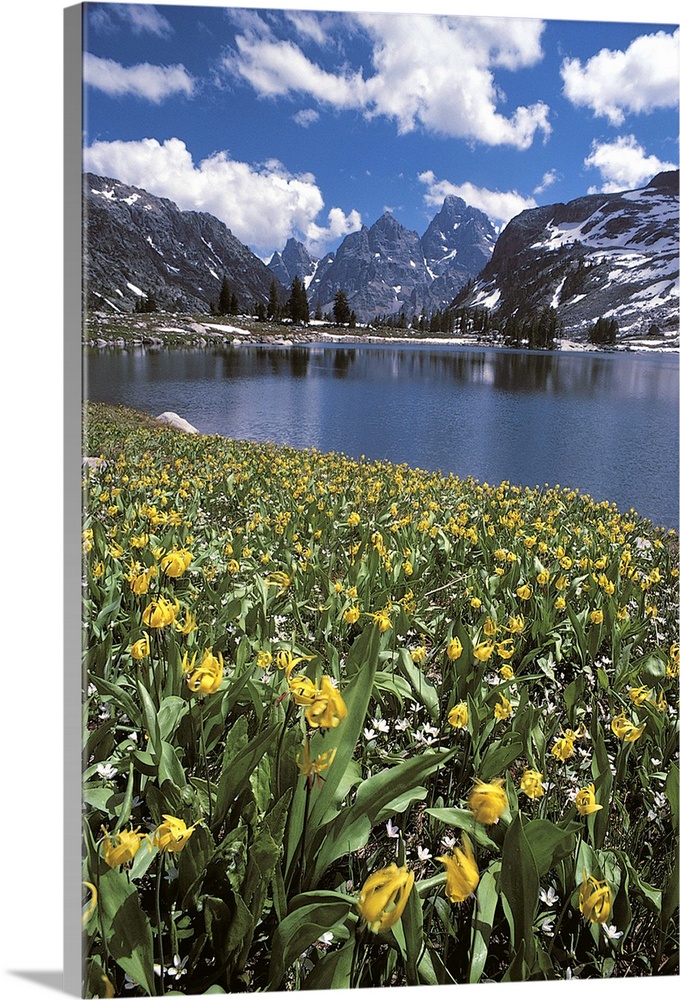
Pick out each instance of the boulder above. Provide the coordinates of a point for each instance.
(176, 421)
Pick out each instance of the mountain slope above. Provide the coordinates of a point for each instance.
(136, 243)
(602, 255)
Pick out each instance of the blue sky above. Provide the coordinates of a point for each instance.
(309, 123)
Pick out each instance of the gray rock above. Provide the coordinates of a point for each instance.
(176, 421)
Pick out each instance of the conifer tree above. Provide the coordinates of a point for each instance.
(341, 310)
(297, 305)
(224, 301)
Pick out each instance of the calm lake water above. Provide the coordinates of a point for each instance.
(606, 424)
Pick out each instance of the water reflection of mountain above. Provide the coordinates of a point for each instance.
(553, 374)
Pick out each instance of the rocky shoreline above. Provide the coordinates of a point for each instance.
(104, 331)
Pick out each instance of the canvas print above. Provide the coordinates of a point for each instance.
(380, 499)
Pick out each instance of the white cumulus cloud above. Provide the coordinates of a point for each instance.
(500, 206)
(262, 204)
(548, 179)
(431, 72)
(151, 83)
(623, 164)
(615, 83)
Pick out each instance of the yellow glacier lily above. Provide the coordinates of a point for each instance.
(462, 873)
(384, 896)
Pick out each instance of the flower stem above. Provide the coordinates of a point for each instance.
(205, 763)
(159, 879)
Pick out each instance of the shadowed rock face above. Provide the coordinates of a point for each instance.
(602, 255)
(135, 242)
(387, 268)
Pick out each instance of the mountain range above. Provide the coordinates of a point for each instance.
(613, 255)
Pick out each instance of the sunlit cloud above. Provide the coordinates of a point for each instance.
(623, 164)
(548, 179)
(433, 73)
(262, 204)
(500, 206)
(614, 83)
(150, 83)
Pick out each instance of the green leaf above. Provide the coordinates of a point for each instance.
(379, 795)
(304, 925)
(500, 755)
(422, 689)
(333, 970)
(482, 920)
(343, 738)
(550, 843)
(126, 927)
(462, 819)
(150, 721)
(519, 886)
(236, 773)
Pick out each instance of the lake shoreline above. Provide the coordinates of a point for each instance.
(104, 331)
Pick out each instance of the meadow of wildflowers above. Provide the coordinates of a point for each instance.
(349, 723)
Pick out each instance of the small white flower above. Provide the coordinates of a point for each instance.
(448, 843)
(369, 734)
(325, 938)
(381, 725)
(107, 771)
(392, 829)
(429, 728)
(402, 725)
(547, 927)
(177, 968)
(549, 897)
(423, 853)
(611, 932)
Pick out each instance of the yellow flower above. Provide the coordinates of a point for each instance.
(381, 619)
(312, 768)
(352, 614)
(458, 716)
(673, 665)
(487, 800)
(483, 650)
(561, 583)
(506, 672)
(596, 617)
(173, 834)
(120, 848)
(139, 583)
(286, 661)
(505, 649)
(353, 519)
(563, 748)
(303, 691)
(524, 592)
(490, 627)
(175, 563)
(383, 897)
(503, 708)
(595, 899)
(625, 729)
(92, 905)
(543, 577)
(560, 604)
(233, 566)
(454, 649)
(141, 648)
(189, 625)
(515, 624)
(585, 801)
(661, 703)
(462, 873)
(418, 654)
(278, 579)
(475, 602)
(264, 659)
(160, 613)
(532, 783)
(327, 709)
(208, 675)
(639, 695)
